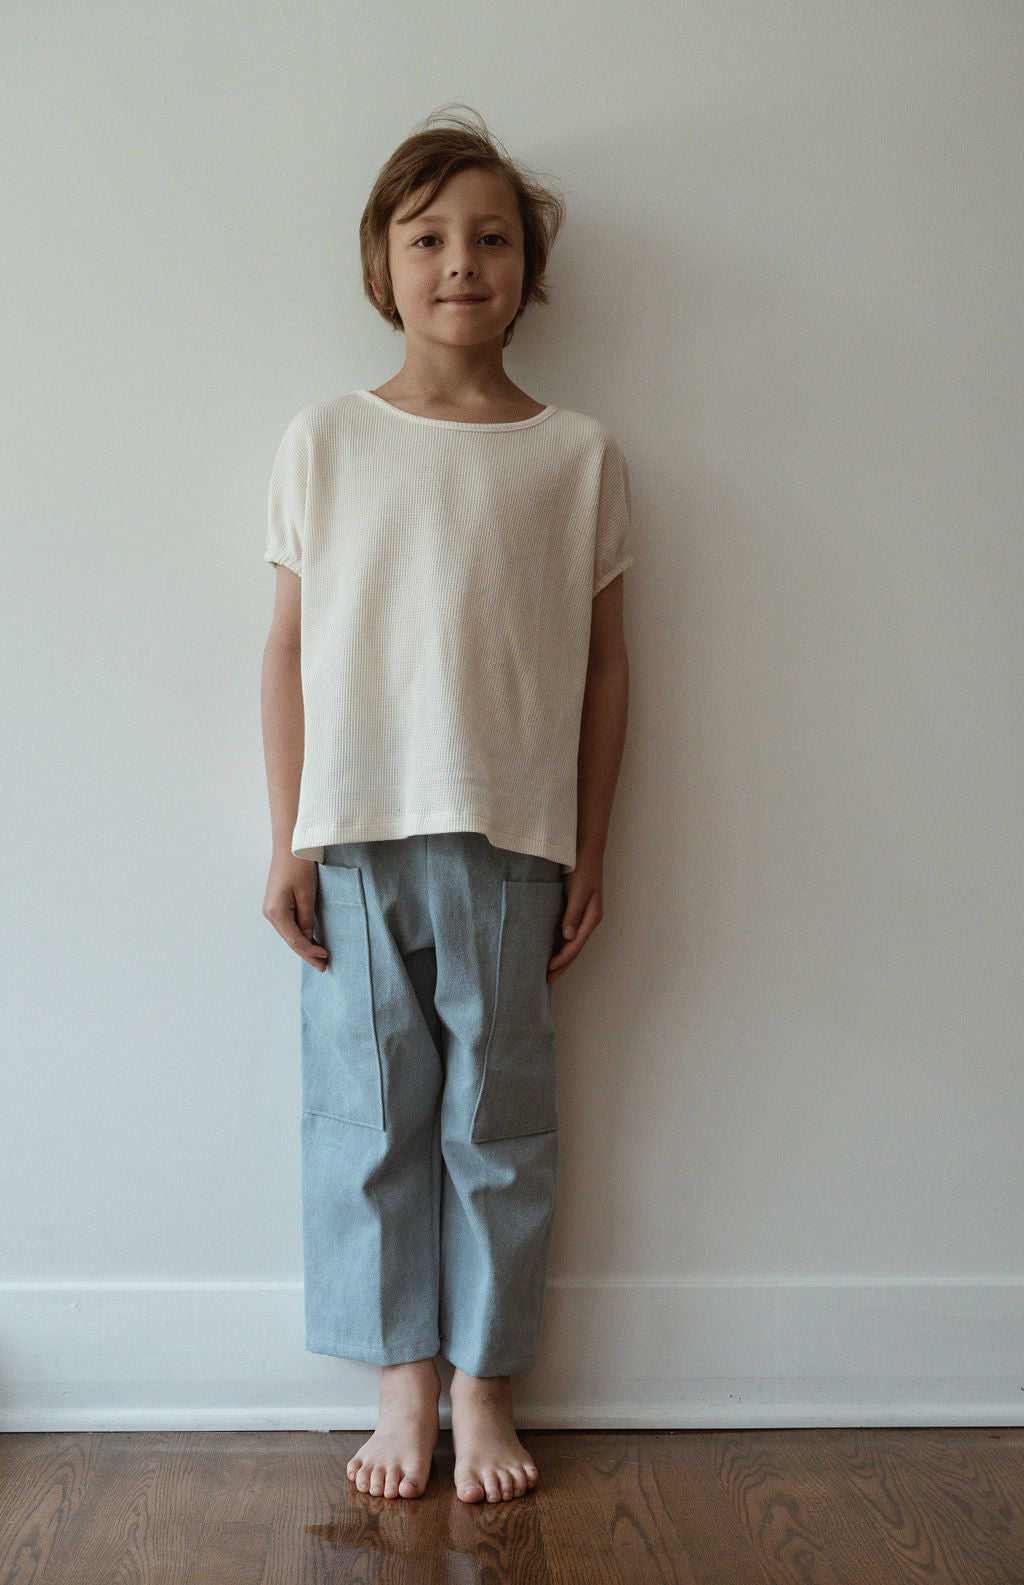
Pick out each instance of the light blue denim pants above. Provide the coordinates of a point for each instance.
(429, 1120)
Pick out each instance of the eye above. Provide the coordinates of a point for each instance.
(489, 236)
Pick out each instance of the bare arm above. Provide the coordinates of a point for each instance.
(603, 722)
(281, 702)
(602, 737)
(291, 886)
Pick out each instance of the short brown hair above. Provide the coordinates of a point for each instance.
(426, 159)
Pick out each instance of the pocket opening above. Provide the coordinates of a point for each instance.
(518, 1087)
(342, 1073)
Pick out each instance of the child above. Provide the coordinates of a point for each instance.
(444, 708)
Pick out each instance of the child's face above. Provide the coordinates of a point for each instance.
(468, 241)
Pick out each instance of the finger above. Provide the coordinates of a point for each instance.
(577, 915)
(564, 956)
(567, 951)
(582, 925)
(309, 947)
(305, 913)
(314, 953)
(561, 960)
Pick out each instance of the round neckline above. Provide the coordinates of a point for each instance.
(456, 423)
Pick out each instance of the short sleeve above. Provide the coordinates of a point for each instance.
(612, 553)
(286, 498)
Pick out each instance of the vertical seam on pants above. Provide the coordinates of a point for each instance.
(436, 1164)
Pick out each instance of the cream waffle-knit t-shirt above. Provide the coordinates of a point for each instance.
(447, 570)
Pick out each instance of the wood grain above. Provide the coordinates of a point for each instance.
(790, 1507)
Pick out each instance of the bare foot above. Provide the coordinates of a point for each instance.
(490, 1460)
(395, 1460)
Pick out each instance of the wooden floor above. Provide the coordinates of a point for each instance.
(818, 1507)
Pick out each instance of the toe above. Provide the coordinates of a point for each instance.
(392, 1476)
(470, 1489)
(492, 1485)
(410, 1486)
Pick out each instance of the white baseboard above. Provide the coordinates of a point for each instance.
(223, 1356)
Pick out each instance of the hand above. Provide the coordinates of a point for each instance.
(583, 912)
(289, 905)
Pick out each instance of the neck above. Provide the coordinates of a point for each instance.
(453, 375)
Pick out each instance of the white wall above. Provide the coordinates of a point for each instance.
(791, 1055)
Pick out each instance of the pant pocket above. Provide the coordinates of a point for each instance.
(518, 1090)
(341, 1067)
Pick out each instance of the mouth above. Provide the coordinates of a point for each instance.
(465, 301)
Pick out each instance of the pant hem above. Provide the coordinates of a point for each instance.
(397, 1354)
(485, 1367)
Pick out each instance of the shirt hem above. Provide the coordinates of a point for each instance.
(277, 560)
(607, 577)
(310, 844)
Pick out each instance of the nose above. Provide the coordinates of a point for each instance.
(462, 260)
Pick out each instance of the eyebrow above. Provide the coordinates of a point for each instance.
(411, 219)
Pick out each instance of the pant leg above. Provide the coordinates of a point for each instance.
(371, 1083)
(428, 1229)
(496, 916)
